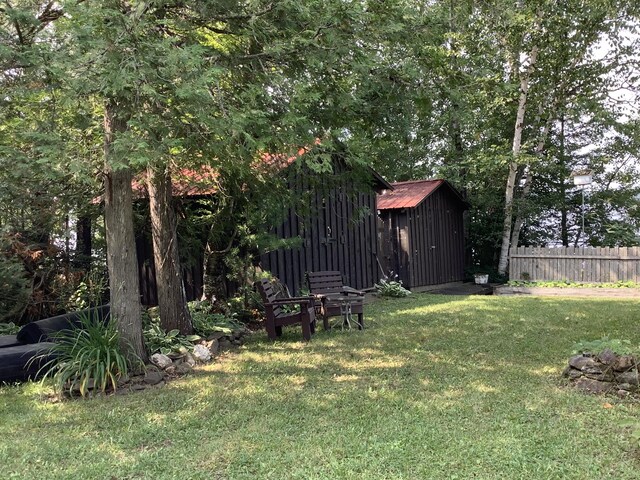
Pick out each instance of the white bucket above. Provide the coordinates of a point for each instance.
(482, 279)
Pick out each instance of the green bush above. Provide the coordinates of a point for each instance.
(206, 322)
(90, 352)
(9, 328)
(89, 291)
(391, 288)
(159, 341)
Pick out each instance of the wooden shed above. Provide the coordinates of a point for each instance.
(338, 230)
(421, 232)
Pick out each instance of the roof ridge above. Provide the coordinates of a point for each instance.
(419, 181)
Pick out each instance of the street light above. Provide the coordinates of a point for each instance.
(582, 179)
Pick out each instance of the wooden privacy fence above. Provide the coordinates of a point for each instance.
(575, 264)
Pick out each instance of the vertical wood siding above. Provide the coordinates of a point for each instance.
(339, 233)
(575, 264)
(426, 243)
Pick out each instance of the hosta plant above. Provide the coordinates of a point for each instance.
(391, 288)
(159, 341)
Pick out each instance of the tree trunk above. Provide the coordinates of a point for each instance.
(513, 165)
(172, 301)
(122, 260)
(564, 232)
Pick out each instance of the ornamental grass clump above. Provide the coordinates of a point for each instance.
(86, 357)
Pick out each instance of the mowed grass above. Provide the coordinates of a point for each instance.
(436, 387)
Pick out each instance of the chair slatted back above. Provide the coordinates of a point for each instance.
(325, 282)
(269, 294)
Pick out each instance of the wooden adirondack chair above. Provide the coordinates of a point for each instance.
(329, 288)
(276, 318)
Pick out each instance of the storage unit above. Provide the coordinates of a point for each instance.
(421, 232)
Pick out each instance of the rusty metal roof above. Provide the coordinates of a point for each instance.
(408, 194)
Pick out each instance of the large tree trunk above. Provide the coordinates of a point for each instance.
(122, 260)
(513, 165)
(172, 301)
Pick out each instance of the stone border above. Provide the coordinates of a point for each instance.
(606, 372)
(568, 292)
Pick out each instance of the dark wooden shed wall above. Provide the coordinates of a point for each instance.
(425, 245)
(338, 233)
(192, 274)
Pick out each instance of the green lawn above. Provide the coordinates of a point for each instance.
(436, 387)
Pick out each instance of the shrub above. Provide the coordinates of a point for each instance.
(9, 328)
(391, 288)
(89, 352)
(206, 322)
(159, 341)
(89, 291)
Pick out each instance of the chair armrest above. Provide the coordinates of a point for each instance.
(293, 301)
(352, 291)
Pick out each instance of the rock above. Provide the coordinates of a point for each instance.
(138, 386)
(201, 353)
(237, 343)
(170, 370)
(153, 377)
(184, 368)
(123, 380)
(630, 377)
(623, 393)
(160, 360)
(581, 362)
(592, 386)
(189, 360)
(624, 362)
(602, 377)
(572, 373)
(607, 357)
(596, 370)
(214, 346)
(628, 387)
(216, 336)
(225, 343)
(74, 388)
